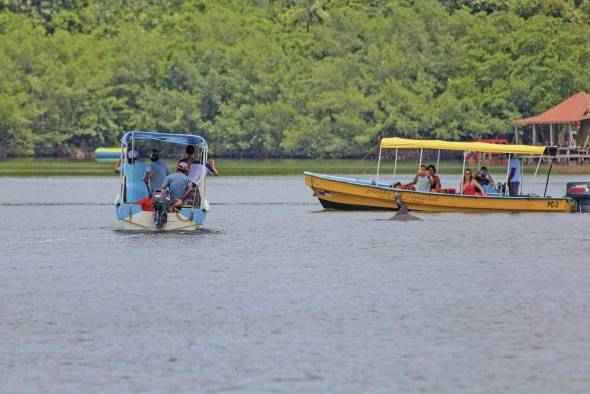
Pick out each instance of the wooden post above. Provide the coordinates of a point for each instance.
(515, 134)
(571, 136)
(534, 134)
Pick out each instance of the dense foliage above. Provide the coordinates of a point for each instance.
(285, 78)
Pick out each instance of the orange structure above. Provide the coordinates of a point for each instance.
(573, 113)
(488, 158)
(567, 125)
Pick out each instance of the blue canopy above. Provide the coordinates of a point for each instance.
(183, 139)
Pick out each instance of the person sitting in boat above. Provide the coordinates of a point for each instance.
(470, 186)
(422, 182)
(156, 172)
(436, 186)
(134, 170)
(178, 184)
(483, 177)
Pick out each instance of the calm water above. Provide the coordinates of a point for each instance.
(277, 296)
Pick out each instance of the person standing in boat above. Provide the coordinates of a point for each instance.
(422, 182)
(197, 171)
(134, 170)
(470, 186)
(156, 172)
(190, 159)
(514, 176)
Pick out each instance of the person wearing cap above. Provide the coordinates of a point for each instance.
(155, 172)
(134, 170)
(178, 184)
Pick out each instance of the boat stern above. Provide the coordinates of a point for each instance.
(132, 217)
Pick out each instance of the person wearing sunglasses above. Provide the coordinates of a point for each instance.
(470, 186)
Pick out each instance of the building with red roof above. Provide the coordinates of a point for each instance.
(568, 123)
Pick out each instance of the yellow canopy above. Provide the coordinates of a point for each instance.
(403, 143)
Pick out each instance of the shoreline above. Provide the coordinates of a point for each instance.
(53, 167)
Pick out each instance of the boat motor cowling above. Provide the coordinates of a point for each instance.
(580, 193)
(161, 201)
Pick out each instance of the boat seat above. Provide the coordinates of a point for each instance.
(490, 190)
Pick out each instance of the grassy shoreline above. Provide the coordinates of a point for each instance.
(30, 167)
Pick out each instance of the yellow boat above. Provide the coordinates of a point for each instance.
(336, 192)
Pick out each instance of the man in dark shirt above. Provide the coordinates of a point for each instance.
(156, 172)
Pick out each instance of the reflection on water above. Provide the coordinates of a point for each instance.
(274, 294)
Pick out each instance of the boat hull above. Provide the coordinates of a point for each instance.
(187, 219)
(350, 194)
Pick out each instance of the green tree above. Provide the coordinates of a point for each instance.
(309, 12)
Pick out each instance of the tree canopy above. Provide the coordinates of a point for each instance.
(283, 78)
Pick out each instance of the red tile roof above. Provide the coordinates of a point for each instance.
(573, 109)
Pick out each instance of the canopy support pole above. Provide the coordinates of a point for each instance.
(463, 171)
(132, 148)
(507, 190)
(205, 158)
(521, 183)
(437, 160)
(395, 166)
(548, 173)
(121, 179)
(378, 166)
(127, 150)
(420, 164)
(537, 169)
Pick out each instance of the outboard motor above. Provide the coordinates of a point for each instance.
(580, 192)
(162, 203)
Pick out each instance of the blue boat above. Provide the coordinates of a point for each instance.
(107, 154)
(133, 215)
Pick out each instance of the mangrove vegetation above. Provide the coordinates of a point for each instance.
(285, 78)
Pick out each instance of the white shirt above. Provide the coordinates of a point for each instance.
(515, 163)
(197, 173)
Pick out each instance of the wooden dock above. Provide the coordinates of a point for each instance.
(573, 155)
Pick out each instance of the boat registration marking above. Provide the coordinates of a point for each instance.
(379, 193)
(418, 199)
(552, 204)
